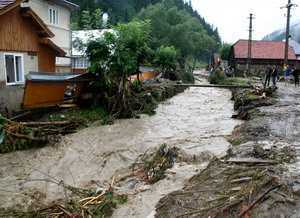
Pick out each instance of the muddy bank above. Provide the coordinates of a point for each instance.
(227, 189)
(196, 121)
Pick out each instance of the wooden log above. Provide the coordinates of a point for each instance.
(250, 160)
(214, 85)
(57, 123)
(244, 179)
(20, 115)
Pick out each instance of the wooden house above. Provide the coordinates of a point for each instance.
(262, 54)
(25, 46)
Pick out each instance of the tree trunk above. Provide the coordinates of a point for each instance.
(181, 63)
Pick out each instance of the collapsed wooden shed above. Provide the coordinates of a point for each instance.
(47, 89)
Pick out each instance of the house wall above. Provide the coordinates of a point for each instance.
(11, 95)
(47, 63)
(19, 36)
(61, 31)
(259, 66)
(15, 34)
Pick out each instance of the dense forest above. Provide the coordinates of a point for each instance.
(123, 11)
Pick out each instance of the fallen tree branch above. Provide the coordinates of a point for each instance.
(26, 137)
(227, 208)
(257, 200)
(200, 210)
(57, 123)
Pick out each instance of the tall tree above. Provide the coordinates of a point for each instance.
(120, 52)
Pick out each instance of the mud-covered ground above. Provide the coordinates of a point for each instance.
(227, 189)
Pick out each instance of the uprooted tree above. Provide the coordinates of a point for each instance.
(116, 56)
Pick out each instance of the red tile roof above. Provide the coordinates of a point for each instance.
(4, 3)
(262, 50)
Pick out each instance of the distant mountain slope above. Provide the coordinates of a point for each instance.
(279, 35)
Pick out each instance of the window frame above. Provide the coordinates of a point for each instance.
(81, 63)
(53, 16)
(21, 68)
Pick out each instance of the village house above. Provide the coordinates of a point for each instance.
(56, 14)
(80, 38)
(296, 47)
(262, 54)
(25, 46)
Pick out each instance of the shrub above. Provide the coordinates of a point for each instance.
(188, 77)
(217, 77)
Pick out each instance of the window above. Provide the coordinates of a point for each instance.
(53, 16)
(57, 60)
(14, 68)
(81, 63)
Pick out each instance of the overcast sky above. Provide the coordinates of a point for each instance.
(231, 17)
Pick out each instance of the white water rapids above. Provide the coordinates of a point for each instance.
(196, 121)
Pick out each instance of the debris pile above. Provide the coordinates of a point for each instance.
(226, 189)
(247, 100)
(23, 135)
(152, 168)
(92, 204)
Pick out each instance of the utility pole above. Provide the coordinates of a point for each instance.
(287, 32)
(249, 44)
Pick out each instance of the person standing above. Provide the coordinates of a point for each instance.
(274, 75)
(268, 72)
(296, 73)
(287, 75)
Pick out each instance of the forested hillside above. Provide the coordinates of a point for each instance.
(123, 11)
(279, 35)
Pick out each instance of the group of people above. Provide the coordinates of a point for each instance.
(272, 72)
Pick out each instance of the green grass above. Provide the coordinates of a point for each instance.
(83, 117)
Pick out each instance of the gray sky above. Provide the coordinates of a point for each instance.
(231, 17)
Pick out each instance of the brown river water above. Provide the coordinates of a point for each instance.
(196, 121)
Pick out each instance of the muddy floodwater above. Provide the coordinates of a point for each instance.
(196, 121)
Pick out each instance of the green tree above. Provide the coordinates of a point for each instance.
(177, 28)
(98, 22)
(166, 57)
(87, 20)
(120, 53)
(224, 51)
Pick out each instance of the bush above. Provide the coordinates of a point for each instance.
(188, 77)
(217, 77)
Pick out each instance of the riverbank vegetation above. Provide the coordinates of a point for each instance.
(167, 34)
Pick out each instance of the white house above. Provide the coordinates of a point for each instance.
(56, 14)
(80, 62)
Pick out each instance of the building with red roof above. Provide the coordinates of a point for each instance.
(262, 54)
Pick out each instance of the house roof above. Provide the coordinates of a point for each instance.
(295, 45)
(44, 31)
(262, 50)
(58, 77)
(65, 3)
(58, 50)
(7, 5)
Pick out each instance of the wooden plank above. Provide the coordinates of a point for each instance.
(250, 160)
(213, 85)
